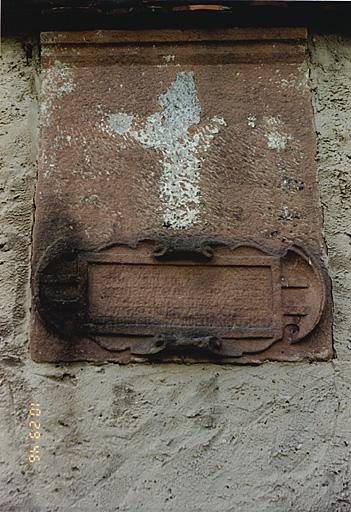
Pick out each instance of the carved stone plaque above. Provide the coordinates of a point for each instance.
(177, 211)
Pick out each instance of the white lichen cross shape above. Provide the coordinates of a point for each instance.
(168, 132)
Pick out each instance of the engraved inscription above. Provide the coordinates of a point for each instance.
(225, 298)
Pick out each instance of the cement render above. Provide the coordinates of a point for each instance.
(142, 438)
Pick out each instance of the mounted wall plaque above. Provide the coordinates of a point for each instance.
(177, 210)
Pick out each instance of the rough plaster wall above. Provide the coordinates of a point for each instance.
(331, 85)
(273, 438)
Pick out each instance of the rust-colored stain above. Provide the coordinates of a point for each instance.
(177, 212)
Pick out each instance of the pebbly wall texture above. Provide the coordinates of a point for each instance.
(141, 438)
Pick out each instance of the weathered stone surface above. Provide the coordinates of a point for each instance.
(273, 438)
(190, 135)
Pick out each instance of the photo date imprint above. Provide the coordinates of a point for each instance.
(34, 433)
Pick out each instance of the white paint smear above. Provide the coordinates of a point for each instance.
(167, 132)
(251, 121)
(277, 138)
(57, 82)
